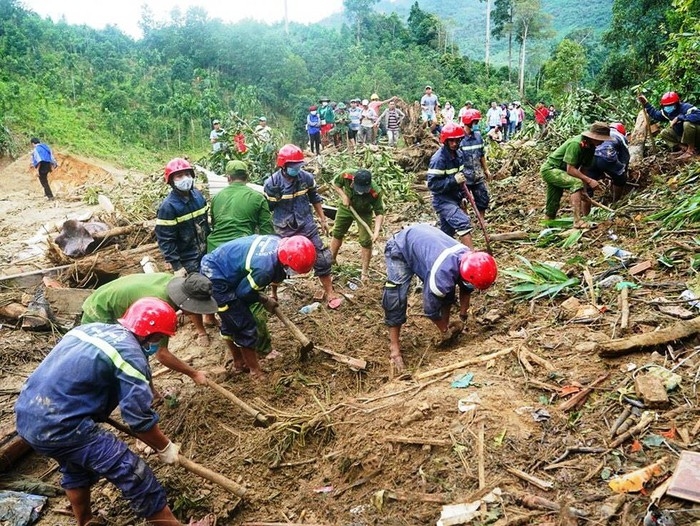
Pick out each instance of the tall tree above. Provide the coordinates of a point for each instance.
(503, 25)
(530, 23)
(565, 70)
(487, 52)
(358, 11)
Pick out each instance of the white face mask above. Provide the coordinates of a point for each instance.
(313, 113)
(185, 184)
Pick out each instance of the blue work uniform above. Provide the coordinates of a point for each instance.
(182, 228)
(684, 112)
(92, 370)
(472, 148)
(433, 256)
(447, 193)
(612, 158)
(239, 270)
(291, 199)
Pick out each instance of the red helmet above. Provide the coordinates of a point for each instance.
(451, 131)
(313, 107)
(177, 165)
(148, 316)
(670, 97)
(478, 269)
(297, 253)
(470, 116)
(619, 127)
(289, 153)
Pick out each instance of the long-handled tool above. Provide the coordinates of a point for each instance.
(480, 220)
(260, 418)
(191, 466)
(306, 344)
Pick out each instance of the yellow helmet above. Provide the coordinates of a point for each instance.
(374, 96)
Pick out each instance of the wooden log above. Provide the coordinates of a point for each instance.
(257, 415)
(11, 451)
(540, 503)
(354, 363)
(621, 346)
(122, 230)
(637, 139)
(510, 236)
(13, 310)
(406, 496)
(580, 397)
(463, 363)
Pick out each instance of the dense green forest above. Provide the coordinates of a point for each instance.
(102, 93)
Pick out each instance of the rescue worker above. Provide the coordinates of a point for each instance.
(356, 190)
(476, 170)
(239, 211)
(239, 270)
(441, 263)
(445, 180)
(182, 228)
(91, 370)
(291, 192)
(567, 169)
(612, 160)
(192, 295)
(684, 123)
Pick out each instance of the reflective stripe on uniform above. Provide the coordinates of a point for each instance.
(249, 259)
(182, 219)
(435, 171)
(112, 354)
(433, 270)
(472, 147)
(288, 196)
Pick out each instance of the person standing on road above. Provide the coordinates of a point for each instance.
(356, 190)
(445, 180)
(44, 162)
(192, 295)
(238, 211)
(93, 369)
(182, 227)
(441, 263)
(239, 270)
(291, 193)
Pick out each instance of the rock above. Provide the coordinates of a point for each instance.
(651, 389)
(492, 316)
(569, 307)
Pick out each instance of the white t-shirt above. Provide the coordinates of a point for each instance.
(216, 134)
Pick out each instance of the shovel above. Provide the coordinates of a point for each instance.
(260, 419)
(306, 344)
(191, 466)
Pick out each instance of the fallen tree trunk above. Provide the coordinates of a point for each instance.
(637, 139)
(121, 230)
(677, 331)
(11, 451)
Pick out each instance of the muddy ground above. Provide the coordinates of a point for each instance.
(337, 453)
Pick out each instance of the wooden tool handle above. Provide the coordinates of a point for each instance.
(212, 476)
(296, 332)
(240, 403)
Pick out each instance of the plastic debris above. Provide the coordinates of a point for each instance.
(610, 281)
(463, 381)
(634, 481)
(610, 251)
(308, 309)
(20, 509)
(693, 299)
(453, 514)
(469, 404)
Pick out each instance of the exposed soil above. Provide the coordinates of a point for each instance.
(332, 456)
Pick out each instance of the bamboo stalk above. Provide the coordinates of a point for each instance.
(463, 363)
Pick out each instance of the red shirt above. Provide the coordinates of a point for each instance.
(541, 115)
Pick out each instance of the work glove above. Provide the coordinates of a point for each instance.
(459, 178)
(169, 454)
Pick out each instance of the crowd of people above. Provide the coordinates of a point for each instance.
(227, 256)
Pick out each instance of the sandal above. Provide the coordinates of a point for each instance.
(335, 303)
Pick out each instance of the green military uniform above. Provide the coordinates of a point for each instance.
(364, 205)
(239, 211)
(553, 171)
(110, 301)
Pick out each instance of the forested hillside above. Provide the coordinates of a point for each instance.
(100, 92)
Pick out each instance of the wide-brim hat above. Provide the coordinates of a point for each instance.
(599, 131)
(192, 294)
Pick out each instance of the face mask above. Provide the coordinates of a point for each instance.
(313, 113)
(475, 127)
(324, 104)
(293, 172)
(669, 109)
(151, 349)
(185, 184)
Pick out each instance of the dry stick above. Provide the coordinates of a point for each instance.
(436, 498)
(647, 418)
(597, 203)
(677, 331)
(358, 482)
(480, 453)
(510, 236)
(581, 396)
(538, 359)
(418, 441)
(535, 481)
(353, 363)
(620, 420)
(463, 363)
(522, 358)
(625, 307)
(591, 291)
(594, 471)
